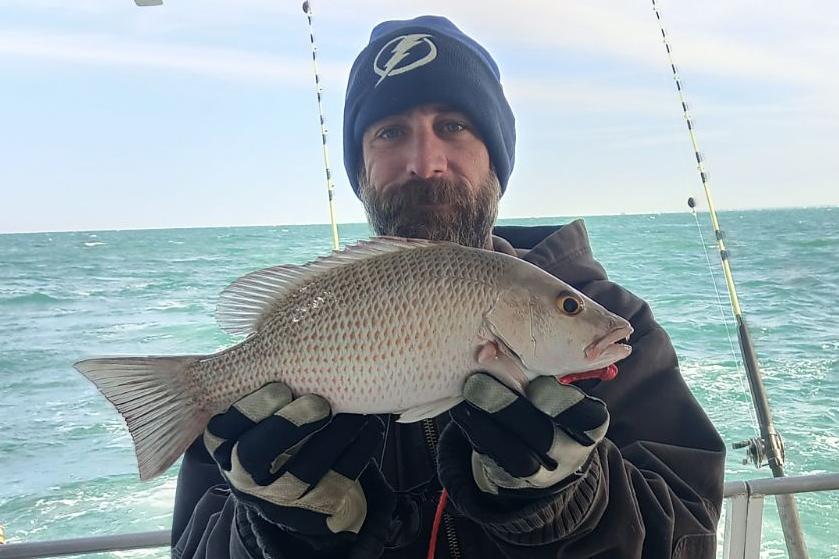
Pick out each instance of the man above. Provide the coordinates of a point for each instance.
(627, 468)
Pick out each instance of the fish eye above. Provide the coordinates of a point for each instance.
(569, 304)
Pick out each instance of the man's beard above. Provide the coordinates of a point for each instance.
(434, 209)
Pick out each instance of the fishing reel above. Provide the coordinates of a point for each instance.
(756, 451)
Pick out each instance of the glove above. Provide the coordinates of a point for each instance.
(294, 463)
(525, 444)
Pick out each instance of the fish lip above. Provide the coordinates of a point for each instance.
(609, 340)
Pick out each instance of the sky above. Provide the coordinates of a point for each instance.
(203, 113)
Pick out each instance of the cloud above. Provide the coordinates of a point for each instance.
(776, 42)
(585, 94)
(214, 62)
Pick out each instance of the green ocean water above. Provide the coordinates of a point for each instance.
(67, 467)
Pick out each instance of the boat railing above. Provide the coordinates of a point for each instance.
(741, 539)
(744, 508)
(92, 544)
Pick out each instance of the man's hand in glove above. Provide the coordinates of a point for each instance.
(525, 444)
(294, 463)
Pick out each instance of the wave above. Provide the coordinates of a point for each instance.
(30, 299)
(818, 243)
(178, 306)
(93, 244)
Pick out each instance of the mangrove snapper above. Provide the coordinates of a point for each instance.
(386, 326)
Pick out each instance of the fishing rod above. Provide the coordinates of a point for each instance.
(330, 186)
(768, 448)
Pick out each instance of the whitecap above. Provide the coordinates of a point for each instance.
(94, 244)
(129, 327)
(831, 443)
(169, 305)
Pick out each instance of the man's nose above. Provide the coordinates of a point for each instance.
(427, 158)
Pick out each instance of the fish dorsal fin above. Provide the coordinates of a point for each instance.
(243, 306)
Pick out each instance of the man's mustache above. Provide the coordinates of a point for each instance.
(429, 191)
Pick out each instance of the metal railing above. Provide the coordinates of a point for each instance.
(741, 540)
(744, 508)
(78, 546)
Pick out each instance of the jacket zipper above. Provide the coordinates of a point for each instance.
(430, 432)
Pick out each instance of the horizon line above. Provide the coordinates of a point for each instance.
(572, 216)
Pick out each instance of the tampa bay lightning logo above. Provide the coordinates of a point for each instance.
(403, 54)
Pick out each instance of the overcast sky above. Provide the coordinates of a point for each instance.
(203, 112)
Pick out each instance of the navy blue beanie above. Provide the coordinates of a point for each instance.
(427, 60)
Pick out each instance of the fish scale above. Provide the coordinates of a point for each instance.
(418, 366)
(386, 326)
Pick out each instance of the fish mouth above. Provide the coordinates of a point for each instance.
(608, 346)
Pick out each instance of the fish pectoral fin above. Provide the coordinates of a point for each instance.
(493, 360)
(431, 409)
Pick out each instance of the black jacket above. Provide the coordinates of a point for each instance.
(653, 488)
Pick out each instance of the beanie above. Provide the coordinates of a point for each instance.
(427, 60)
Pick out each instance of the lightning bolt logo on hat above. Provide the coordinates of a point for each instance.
(402, 50)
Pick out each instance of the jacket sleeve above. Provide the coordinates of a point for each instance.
(653, 487)
(210, 523)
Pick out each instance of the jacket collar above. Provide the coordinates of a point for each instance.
(563, 250)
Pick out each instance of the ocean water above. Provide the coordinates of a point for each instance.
(67, 467)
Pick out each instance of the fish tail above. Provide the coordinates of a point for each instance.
(158, 402)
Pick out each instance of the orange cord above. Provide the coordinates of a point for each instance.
(435, 528)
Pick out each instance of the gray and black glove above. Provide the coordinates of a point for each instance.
(299, 467)
(528, 444)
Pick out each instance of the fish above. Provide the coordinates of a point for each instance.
(388, 325)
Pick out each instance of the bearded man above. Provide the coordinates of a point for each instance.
(627, 468)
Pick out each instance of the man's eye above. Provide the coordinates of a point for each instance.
(454, 126)
(389, 133)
